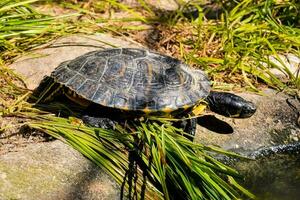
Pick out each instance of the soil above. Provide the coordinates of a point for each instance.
(17, 136)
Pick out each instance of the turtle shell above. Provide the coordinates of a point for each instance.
(134, 80)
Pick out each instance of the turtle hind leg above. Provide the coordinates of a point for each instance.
(99, 116)
(99, 122)
(188, 126)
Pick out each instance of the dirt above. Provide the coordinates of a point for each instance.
(16, 136)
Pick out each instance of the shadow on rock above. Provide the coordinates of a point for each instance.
(214, 124)
(84, 186)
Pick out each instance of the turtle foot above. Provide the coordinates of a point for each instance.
(99, 122)
(188, 126)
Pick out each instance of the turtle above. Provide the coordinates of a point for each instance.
(133, 82)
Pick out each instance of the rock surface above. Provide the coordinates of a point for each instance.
(274, 122)
(55, 171)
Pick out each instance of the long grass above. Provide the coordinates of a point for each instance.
(23, 28)
(235, 48)
(242, 40)
(251, 33)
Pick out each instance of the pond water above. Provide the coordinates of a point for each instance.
(274, 174)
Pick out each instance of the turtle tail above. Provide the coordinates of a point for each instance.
(230, 105)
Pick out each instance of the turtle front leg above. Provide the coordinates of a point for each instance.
(188, 126)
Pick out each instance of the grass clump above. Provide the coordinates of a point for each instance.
(252, 32)
(23, 28)
(150, 159)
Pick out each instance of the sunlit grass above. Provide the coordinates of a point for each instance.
(233, 48)
(23, 28)
(247, 37)
(236, 47)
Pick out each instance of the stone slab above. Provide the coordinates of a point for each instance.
(53, 170)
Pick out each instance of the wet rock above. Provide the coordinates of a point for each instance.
(274, 122)
(274, 174)
(53, 170)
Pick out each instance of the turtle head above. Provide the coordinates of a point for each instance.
(230, 105)
(247, 109)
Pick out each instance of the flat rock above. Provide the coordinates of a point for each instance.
(53, 170)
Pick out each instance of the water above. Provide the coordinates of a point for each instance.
(274, 174)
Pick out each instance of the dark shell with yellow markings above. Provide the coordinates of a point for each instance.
(134, 80)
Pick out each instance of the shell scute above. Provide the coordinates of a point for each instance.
(87, 89)
(63, 75)
(102, 95)
(183, 100)
(78, 62)
(76, 82)
(119, 100)
(93, 68)
(108, 52)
